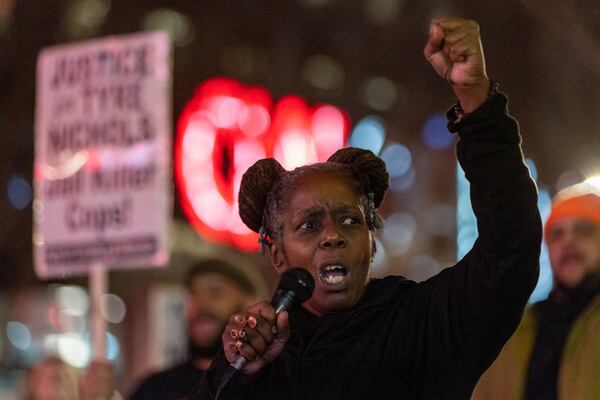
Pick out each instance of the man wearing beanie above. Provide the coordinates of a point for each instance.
(555, 352)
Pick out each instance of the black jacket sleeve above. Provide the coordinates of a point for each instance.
(467, 312)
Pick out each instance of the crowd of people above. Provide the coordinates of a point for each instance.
(464, 332)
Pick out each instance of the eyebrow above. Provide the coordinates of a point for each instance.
(318, 210)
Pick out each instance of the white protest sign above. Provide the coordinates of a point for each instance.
(102, 174)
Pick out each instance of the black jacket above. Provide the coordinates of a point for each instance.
(428, 340)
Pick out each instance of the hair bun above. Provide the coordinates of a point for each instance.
(256, 184)
(370, 171)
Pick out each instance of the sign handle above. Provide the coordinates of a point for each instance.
(98, 285)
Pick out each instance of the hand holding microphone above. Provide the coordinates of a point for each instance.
(256, 336)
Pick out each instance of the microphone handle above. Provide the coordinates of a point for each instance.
(239, 362)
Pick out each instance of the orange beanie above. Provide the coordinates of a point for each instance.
(585, 206)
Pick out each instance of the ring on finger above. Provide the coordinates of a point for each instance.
(252, 321)
(240, 319)
(235, 333)
(239, 344)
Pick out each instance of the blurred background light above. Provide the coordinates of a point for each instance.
(467, 231)
(544, 284)
(435, 134)
(244, 62)
(397, 158)
(368, 134)
(73, 349)
(568, 178)
(19, 191)
(466, 224)
(532, 168)
(254, 120)
(382, 12)
(72, 299)
(379, 260)
(593, 181)
(84, 17)
(402, 183)
(323, 72)
(112, 308)
(422, 267)
(71, 323)
(380, 93)
(178, 25)
(438, 219)
(18, 335)
(398, 233)
(113, 347)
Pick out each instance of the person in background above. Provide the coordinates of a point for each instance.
(555, 352)
(216, 290)
(53, 379)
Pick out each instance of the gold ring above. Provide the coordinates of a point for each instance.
(240, 319)
(239, 344)
(234, 334)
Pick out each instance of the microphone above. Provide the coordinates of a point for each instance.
(296, 286)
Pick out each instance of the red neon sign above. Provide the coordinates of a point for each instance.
(224, 129)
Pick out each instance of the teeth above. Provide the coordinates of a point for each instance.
(332, 280)
(333, 267)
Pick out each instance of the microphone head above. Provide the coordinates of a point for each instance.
(299, 281)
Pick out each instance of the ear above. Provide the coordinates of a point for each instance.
(278, 258)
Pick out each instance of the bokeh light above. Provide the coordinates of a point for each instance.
(244, 62)
(113, 347)
(435, 134)
(438, 220)
(71, 323)
(84, 17)
(19, 191)
(593, 181)
(398, 232)
(382, 12)
(18, 335)
(323, 72)
(73, 349)
(112, 308)
(380, 93)
(568, 178)
(397, 158)
(402, 183)
(422, 267)
(178, 25)
(72, 299)
(368, 134)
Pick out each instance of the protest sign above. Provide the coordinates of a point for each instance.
(102, 173)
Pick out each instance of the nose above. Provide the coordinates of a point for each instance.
(331, 238)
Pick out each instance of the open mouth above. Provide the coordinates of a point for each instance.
(570, 258)
(333, 275)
